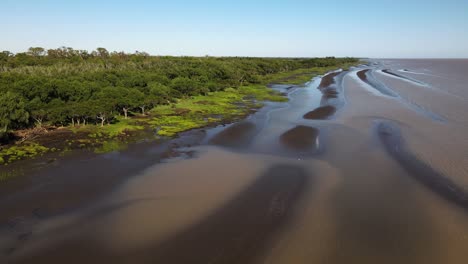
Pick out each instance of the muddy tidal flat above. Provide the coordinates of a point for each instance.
(367, 165)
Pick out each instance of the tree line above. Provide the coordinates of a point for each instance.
(64, 86)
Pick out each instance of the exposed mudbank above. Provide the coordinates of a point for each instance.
(367, 77)
(236, 135)
(390, 136)
(332, 89)
(329, 79)
(330, 93)
(238, 232)
(403, 77)
(300, 138)
(328, 86)
(261, 133)
(322, 112)
(362, 74)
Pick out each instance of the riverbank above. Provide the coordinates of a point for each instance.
(187, 113)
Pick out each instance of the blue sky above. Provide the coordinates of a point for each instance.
(378, 28)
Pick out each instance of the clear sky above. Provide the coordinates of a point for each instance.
(305, 28)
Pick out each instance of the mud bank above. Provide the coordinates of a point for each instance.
(322, 112)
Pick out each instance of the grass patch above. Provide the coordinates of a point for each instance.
(262, 93)
(199, 111)
(117, 128)
(120, 127)
(170, 125)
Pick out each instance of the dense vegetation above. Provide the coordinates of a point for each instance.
(64, 86)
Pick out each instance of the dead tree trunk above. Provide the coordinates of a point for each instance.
(38, 122)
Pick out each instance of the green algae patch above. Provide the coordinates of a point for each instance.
(202, 110)
(12, 153)
(262, 93)
(168, 126)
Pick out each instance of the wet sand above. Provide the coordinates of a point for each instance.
(376, 181)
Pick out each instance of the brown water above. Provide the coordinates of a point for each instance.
(364, 166)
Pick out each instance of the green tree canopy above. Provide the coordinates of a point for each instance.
(12, 111)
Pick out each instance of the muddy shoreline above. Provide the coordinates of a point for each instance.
(82, 177)
(55, 184)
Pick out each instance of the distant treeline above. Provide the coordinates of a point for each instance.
(66, 86)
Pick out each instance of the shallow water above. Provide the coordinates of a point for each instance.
(378, 180)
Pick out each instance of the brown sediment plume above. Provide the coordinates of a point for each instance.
(328, 79)
(239, 232)
(390, 136)
(64, 187)
(300, 137)
(321, 112)
(238, 134)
